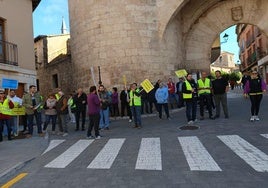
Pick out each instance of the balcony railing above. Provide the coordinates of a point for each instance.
(8, 53)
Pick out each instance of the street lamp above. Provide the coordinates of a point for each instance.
(225, 38)
(100, 82)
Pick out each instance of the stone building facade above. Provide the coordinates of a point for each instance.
(53, 63)
(151, 38)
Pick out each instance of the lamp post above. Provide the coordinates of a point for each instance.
(225, 38)
(100, 82)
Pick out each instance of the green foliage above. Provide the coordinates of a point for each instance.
(235, 76)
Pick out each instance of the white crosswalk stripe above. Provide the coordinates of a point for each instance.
(107, 155)
(52, 145)
(196, 155)
(249, 153)
(149, 157)
(69, 155)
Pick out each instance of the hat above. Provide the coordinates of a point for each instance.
(2, 91)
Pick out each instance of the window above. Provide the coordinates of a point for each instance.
(55, 83)
(1, 40)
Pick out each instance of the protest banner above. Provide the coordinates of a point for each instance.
(9, 83)
(181, 73)
(147, 85)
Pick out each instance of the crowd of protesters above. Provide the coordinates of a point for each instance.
(100, 104)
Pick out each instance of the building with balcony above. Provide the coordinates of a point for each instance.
(253, 46)
(224, 63)
(16, 42)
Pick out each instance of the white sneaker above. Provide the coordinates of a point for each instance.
(98, 137)
(65, 134)
(256, 118)
(252, 118)
(130, 120)
(190, 122)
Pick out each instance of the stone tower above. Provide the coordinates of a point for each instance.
(151, 38)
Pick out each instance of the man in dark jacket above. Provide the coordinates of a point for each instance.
(80, 100)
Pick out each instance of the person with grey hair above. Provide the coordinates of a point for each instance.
(161, 96)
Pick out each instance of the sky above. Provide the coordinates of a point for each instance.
(231, 45)
(47, 20)
(47, 17)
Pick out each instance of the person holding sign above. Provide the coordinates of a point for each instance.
(161, 96)
(6, 106)
(189, 90)
(135, 104)
(15, 117)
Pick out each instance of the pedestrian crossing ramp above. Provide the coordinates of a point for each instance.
(149, 154)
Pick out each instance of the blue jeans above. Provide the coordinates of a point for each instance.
(30, 118)
(53, 118)
(104, 118)
(191, 106)
(7, 123)
(136, 113)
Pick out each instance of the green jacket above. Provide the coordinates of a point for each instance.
(27, 103)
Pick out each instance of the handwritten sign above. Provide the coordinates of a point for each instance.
(147, 85)
(181, 73)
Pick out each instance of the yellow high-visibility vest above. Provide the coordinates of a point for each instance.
(134, 98)
(203, 87)
(189, 88)
(4, 108)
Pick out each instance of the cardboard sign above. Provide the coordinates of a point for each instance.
(181, 73)
(147, 85)
(9, 83)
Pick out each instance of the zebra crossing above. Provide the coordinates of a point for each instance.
(149, 155)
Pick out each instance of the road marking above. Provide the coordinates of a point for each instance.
(149, 157)
(249, 153)
(14, 180)
(264, 135)
(53, 144)
(69, 155)
(196, 155)
(107, 155)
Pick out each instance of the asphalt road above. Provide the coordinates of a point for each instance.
(221, 153)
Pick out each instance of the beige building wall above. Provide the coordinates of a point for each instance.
(19, 30)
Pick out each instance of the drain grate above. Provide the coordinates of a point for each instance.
(189, 127)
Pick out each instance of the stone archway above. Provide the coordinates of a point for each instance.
(203, 22)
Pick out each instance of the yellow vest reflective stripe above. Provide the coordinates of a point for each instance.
(71, 103)
(4, 108)
(203, 87)
(188, 88)
(136, 99)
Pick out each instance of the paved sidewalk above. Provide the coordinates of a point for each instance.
(18, 152)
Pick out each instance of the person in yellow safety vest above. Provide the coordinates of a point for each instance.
(190, 96)
(204, 92)
(71, 108)
(135, 104)
(5, 114)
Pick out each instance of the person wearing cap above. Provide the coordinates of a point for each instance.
(254, 88)
(6, 106)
